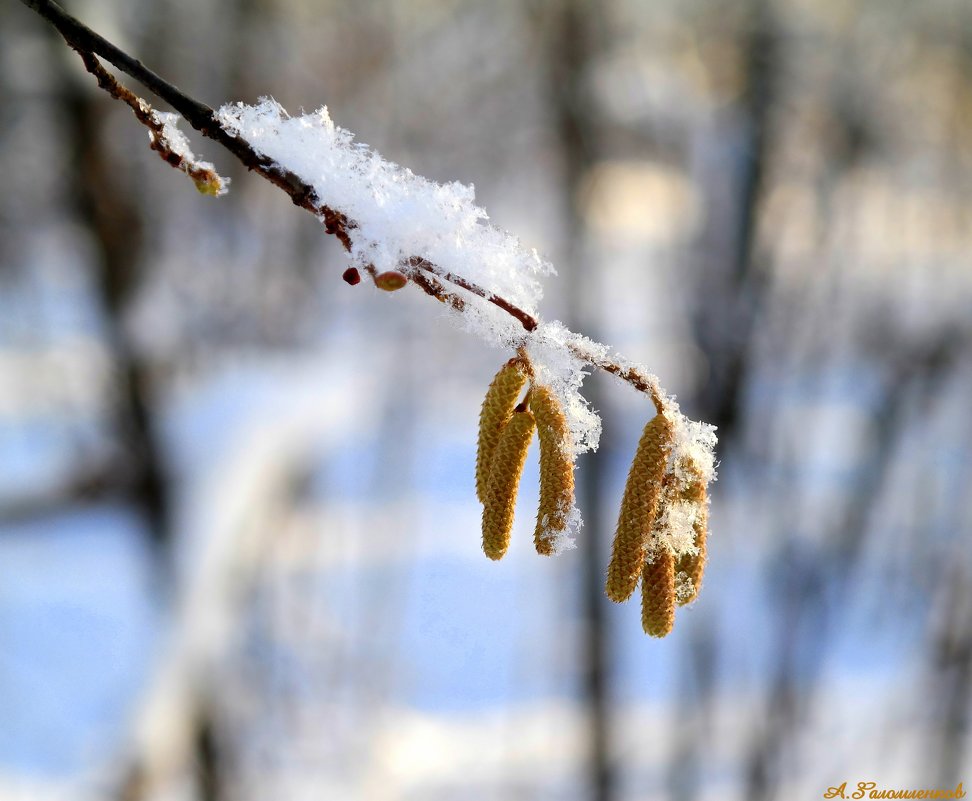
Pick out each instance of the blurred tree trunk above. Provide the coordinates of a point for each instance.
(572, 43)
(950, 677)
(106, 205)
(108, 210)
(732, 287)
(731, 277)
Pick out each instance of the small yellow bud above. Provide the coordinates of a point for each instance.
(504, 481)
(390, 280)
(212, 186)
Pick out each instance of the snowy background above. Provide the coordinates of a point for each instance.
(239, 538)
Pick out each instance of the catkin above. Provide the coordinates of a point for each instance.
(693, 565)
(498, 406)
(556, 468)
(658, 594)
(638, 507)
(504, 478)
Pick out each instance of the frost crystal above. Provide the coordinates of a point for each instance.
(175, 138)
(564, 540)
(396, 216)
(684, 587)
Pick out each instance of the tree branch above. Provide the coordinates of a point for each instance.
(426, 276)
(198, 115)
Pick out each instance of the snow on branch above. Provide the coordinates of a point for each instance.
(400, 227)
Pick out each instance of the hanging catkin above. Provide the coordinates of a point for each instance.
(504, 479)
(658, 594)
(638, 507)
(693, 565)
(498, 406)
(556, 469)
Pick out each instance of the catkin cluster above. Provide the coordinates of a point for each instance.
(506, 428)
(664, 497)
(657, 487)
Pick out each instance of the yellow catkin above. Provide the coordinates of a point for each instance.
(504, 480)
(498, 406)
(693, 565)
(638, 508)
(658, 594)
(556, 468)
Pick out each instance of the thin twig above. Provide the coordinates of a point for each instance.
(205, 178)
(633, 375)
(425, 275)
(198, 115)
(528, 321)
